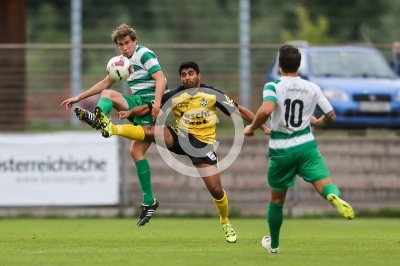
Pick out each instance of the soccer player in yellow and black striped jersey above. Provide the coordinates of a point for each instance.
(195, 108)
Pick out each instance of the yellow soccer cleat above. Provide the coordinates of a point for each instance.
(230, 234)
(343, 207)
(103, 123)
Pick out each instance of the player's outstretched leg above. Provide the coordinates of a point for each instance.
(85, 116)
(103, 122)
(343, 207)
(146, 211)
(266, 243)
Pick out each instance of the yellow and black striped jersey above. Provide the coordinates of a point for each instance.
(197, 113)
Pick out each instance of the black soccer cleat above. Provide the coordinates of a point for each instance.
(85, 116)
(146, 212)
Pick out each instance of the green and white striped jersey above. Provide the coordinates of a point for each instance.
(296, 100)
(144, 63)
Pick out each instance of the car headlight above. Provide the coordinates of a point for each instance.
(398, 96)
(335, 94)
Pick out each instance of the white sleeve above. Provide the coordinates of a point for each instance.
(322, 103)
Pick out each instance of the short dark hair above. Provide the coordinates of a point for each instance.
(122, 31)
(189, 64)
(289, 58)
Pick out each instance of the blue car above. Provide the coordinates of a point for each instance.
(357, 80)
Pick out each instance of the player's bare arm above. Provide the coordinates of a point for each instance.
(161, 83)
(104, 84)
(324, 120)
(140, 110)
(248, 116)
(262, 116)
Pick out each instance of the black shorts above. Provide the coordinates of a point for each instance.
(186, 144)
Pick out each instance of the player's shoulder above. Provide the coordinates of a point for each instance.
(171, 91)
(272, 85)
(141, 50)
(209, 89)
(180, 89)
(310, 84)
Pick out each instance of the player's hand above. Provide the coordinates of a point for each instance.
(248, 132)
(124, 114)
(69, 102)
(267, 131)
(156, 112)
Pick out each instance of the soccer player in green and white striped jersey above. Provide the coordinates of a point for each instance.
(290, 103)
(147, 83)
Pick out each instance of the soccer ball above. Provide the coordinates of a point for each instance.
(119, 68)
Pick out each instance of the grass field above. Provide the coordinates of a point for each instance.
(197, 241)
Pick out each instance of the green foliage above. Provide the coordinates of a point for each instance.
(216, 21)
(46, 24)
(350, 20)
(314, 33)
(196, 242)
(46, 29)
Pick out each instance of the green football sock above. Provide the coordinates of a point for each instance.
(275, 219)
(144, 175)
(106, 105)
(330, 189)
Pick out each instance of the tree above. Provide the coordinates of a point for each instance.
(348, 18)
(316, 33)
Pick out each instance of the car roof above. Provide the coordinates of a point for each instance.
(338, 48)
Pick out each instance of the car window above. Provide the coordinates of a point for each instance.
(303, 65)
(349, 64)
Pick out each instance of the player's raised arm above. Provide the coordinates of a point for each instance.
(261, 117)
(229, 106)
(248, 116)
(140, 110)
(103, 84)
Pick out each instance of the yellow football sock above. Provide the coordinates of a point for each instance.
(222, 208)
(129, 131)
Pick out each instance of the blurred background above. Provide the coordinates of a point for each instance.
(206, 32)
(51, 50)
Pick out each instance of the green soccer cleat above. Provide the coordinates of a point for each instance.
(103, 123)
(343, 207)
(146, 211)
(266, 243)
(230, 234)
(85, 116)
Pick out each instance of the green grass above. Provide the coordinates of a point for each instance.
(197, 241)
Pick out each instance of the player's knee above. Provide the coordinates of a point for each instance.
(106, 94)
(112, 95)
(137, 154)
(216, 192)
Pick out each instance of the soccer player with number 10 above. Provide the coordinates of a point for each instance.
(290, 103)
